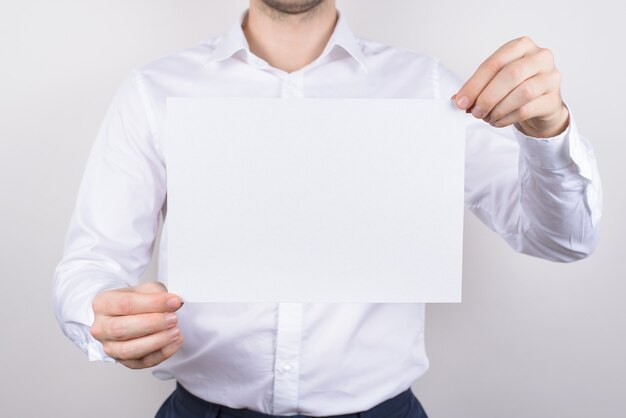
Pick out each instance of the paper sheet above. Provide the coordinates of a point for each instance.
(314, 200)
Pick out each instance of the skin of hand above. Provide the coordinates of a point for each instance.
(518, 84)
(137, 325)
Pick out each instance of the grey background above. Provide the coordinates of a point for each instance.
(531, 338)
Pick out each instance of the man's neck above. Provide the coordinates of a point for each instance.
(289, 41)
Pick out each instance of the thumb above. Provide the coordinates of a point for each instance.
(150, 287)
(174, 302)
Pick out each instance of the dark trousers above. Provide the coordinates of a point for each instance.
(182, 404)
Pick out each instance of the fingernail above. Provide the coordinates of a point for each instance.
(170, 319)
(477, 112)
(463, 102)
(173, 333)
(173, 303)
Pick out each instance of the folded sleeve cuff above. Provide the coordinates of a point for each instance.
(556, 152)
(74, 310)
(95, 352)
(548, 153)
(80, 334)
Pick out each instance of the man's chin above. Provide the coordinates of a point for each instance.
(293, 7)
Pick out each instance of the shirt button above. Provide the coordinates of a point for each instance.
(287, 368)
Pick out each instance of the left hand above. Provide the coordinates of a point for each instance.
(518, 84)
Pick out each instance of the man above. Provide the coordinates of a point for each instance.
(530, 177)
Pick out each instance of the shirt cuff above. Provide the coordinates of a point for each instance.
(75, 315)
(95, 352)
(81, 335)
(556, 152)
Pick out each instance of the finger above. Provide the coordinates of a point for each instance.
(149, 287)
(125, 302)
(486, 71)
(542, 105)
(154, 358)
(526, 92)
(139, 347)
(511, 76)
(123, 328)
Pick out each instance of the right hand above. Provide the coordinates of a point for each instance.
(137, 325)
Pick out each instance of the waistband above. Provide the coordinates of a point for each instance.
(201, 408)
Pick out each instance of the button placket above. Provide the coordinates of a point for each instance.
(292, 85)
(289, 327)
(286, 370)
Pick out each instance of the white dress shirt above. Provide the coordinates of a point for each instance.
(543, 196)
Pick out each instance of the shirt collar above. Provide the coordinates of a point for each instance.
(235, 40)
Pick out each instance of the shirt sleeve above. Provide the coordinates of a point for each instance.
(542, 195)
(114, 224)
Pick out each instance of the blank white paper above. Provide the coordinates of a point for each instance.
(314, 200)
